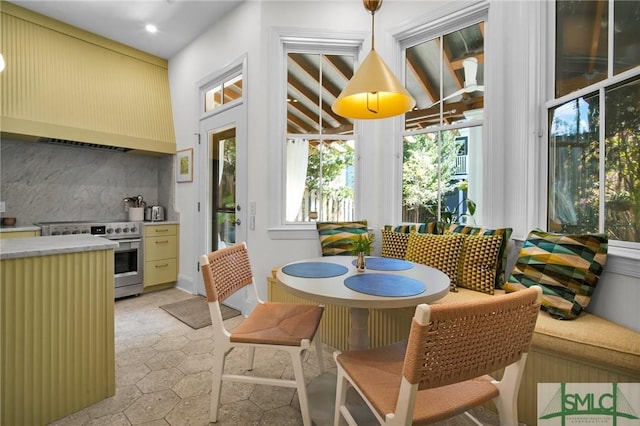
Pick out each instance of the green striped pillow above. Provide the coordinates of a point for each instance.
(336, 237)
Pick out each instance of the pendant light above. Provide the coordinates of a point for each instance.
(373, 91)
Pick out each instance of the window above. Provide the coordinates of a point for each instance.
(320, 145)
(442, 138)
(594, 122)
(227, 91)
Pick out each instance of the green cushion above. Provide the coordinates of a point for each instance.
(336, 237)
(502, 253)
(567, 267)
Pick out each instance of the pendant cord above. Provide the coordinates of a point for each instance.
(373, 17)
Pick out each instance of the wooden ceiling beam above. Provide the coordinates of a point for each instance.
(446, 57)
(457, 64)
(420, 73)
(300, 125)
(299, 86)
(340, 65)
(313, 72)
(595, 34)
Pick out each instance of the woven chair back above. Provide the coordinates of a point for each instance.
(465, 340)
(228, 271)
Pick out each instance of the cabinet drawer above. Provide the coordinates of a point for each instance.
(160, 271)
(160, 230)
(157, 248)
(19, 234)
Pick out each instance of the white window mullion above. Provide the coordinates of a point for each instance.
(601, 160)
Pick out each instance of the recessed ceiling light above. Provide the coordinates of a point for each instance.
(151, 28)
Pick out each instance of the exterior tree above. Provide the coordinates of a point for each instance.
(336, 157)
(622, 128)
(422, 175)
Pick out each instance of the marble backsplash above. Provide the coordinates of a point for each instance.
(45, 183)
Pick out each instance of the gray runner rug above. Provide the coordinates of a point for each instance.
(195, 311)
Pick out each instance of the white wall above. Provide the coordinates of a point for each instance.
(513, 166)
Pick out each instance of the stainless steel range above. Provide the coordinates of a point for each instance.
(129, 266)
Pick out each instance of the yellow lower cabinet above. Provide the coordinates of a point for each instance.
(19, 234)
(160, 254)
(57, 338)
(160, 272)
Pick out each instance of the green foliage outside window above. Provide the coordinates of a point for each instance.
(423, 180)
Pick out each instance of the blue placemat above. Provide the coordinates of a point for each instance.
(314, 270)
(386, 264)
(384, 285)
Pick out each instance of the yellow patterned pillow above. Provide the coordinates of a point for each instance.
(438, 251)
(394, 244)
(502, 260)
(478, 263)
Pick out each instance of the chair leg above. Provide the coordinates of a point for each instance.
(250, 356)
(296, 360)
(341, 398)
(507, 401)
(319, 353)
(216, 384)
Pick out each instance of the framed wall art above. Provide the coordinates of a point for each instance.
(184, 165)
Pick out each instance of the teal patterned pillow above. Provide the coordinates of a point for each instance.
(420, 228)
(336, 237)
(567, 267)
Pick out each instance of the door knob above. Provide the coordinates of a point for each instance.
(237, 222)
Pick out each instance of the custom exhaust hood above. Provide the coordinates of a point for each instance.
(66, 86)
(97, 146)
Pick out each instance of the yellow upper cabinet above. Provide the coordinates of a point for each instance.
(64, 83)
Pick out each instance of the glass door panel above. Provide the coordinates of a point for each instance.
(222, 154)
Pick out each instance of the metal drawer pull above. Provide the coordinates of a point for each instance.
(162, 266)
(162, 242)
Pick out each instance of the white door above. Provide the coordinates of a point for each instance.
(223, 180)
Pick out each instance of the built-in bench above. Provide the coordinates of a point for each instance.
(589, 349)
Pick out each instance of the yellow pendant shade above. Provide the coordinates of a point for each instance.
(373, 92)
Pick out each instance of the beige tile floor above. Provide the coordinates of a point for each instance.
(163, 377)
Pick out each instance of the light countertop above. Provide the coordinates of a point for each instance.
(13, 248)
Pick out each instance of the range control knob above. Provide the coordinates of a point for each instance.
(125, 230)
(134, 229)
(110, 231)
(118, 230)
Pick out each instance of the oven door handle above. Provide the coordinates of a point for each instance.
(135, 240)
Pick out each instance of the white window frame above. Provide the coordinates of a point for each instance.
(445, 20)
(284, 40)
(623, 255)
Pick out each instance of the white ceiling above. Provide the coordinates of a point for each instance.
(178, 21)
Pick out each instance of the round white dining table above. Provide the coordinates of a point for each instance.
(332, 290)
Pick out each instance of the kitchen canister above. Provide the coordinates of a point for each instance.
(136, 214)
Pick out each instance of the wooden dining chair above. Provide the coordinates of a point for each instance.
(282, 326)
(443, 369)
